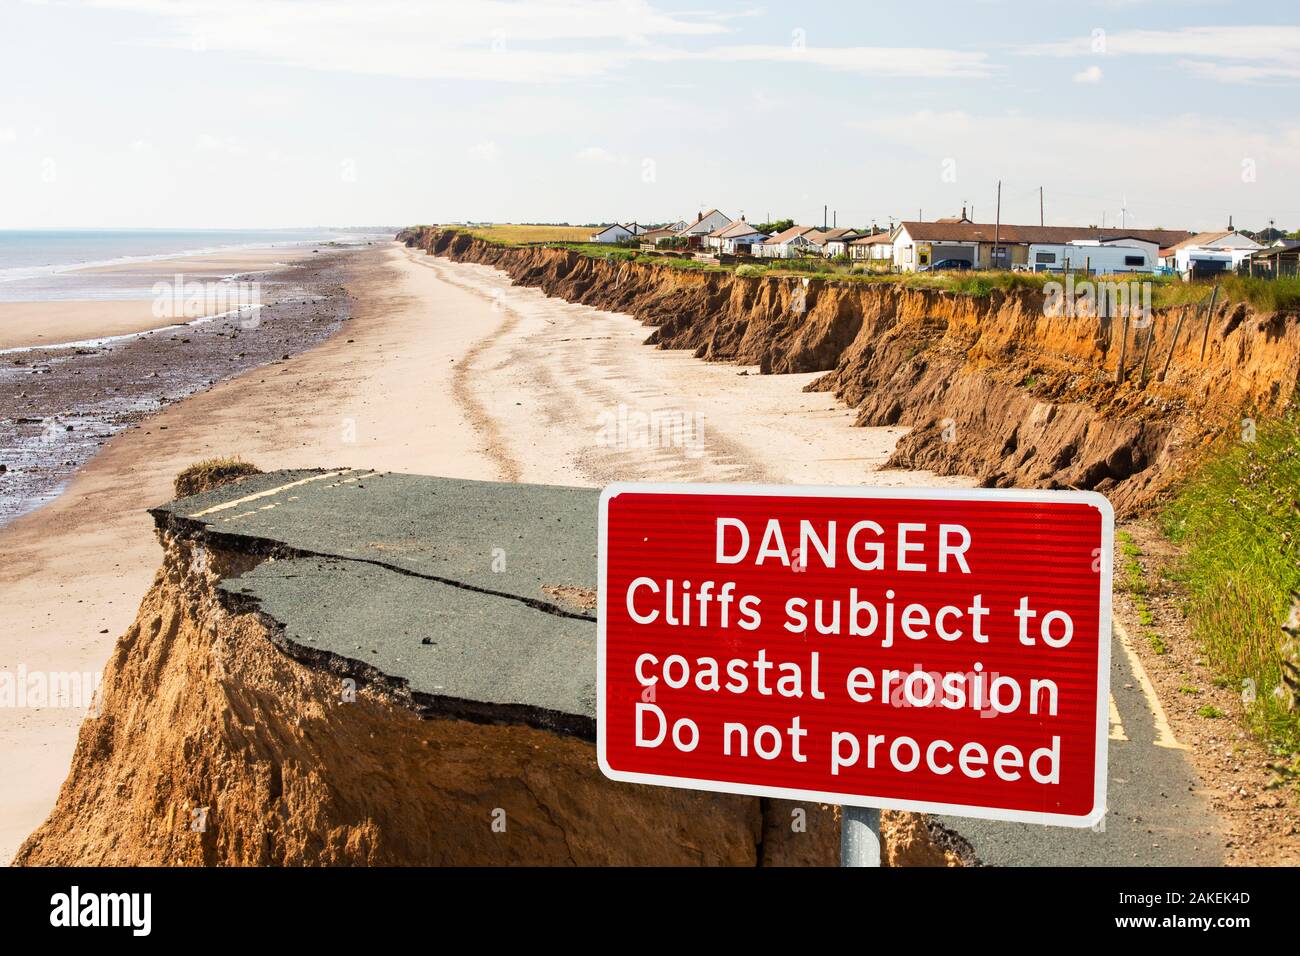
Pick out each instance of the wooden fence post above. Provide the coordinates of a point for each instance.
(1209, 319)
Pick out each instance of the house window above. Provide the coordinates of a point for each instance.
(1045, 258)
(1135, 260)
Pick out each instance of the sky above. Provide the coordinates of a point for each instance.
(278, 113)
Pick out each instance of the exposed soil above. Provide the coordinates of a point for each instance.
(990, 386)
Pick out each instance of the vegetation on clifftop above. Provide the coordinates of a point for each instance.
(1238, 518)
(1264, 295)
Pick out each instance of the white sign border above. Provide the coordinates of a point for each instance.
(1092, 498)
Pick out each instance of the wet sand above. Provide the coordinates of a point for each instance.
(443, 369)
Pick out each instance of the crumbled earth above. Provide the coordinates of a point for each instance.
(990, 386)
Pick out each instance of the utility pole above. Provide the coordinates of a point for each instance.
(997, 225)
(1040, 206)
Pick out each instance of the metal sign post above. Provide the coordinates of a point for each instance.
(859, 836)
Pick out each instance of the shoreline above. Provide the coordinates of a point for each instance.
(66, 400)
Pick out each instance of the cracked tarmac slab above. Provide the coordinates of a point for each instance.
(449, 592)
(514, 540)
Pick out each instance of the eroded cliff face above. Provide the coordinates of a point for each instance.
(990, 386)
(218, 742)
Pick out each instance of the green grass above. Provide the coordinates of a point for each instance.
(1238, 518)
(511, 234)
(1133, 579)
(1264, 295)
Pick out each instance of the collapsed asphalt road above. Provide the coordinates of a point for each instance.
(477, 599)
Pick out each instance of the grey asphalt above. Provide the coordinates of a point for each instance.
(392, 577)
(435, 586)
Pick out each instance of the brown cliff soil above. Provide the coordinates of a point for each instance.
(991, 386)
(213, 745)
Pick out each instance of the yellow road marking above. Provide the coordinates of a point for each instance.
(266, 494)
(1116, 724)
(1164, 734)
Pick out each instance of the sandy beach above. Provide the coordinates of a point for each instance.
(51, 322)
(444, 369)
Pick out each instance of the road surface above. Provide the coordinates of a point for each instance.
(470, 595)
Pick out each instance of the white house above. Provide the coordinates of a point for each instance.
(704, 224)
(728, 238)
(1209, 252)
(612, 233)
(877, 249)
(789, 244)
(835, 242)
(923, 245)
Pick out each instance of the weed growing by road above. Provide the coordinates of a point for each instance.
(1239, 521)
(1135, 582)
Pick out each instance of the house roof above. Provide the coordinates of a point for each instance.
(711, 212)
(737, 228)
(1015, 235)
(877, 239)
(612, 225)
(827, 235)
(658, 233)
(1199, 239)
(794, 232)
(1209, 239)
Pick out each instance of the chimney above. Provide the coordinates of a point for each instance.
(963, 211)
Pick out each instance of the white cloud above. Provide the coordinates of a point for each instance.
(221, 144)
(595, 156)
(1091, 75)
(1237, 54)
(871, 61)
(537, 41)
(486, 151)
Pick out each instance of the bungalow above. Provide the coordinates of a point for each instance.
(1208, 252)
(653, 236)
(835, 242)
(876, 249)
(612, 233)
(789, 244)
(739, 238)
(918, 244)
(1278, 260)
(704, 224)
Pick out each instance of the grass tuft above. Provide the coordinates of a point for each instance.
(211, 473)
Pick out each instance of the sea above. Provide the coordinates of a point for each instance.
(44, 264)
(61, 402)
